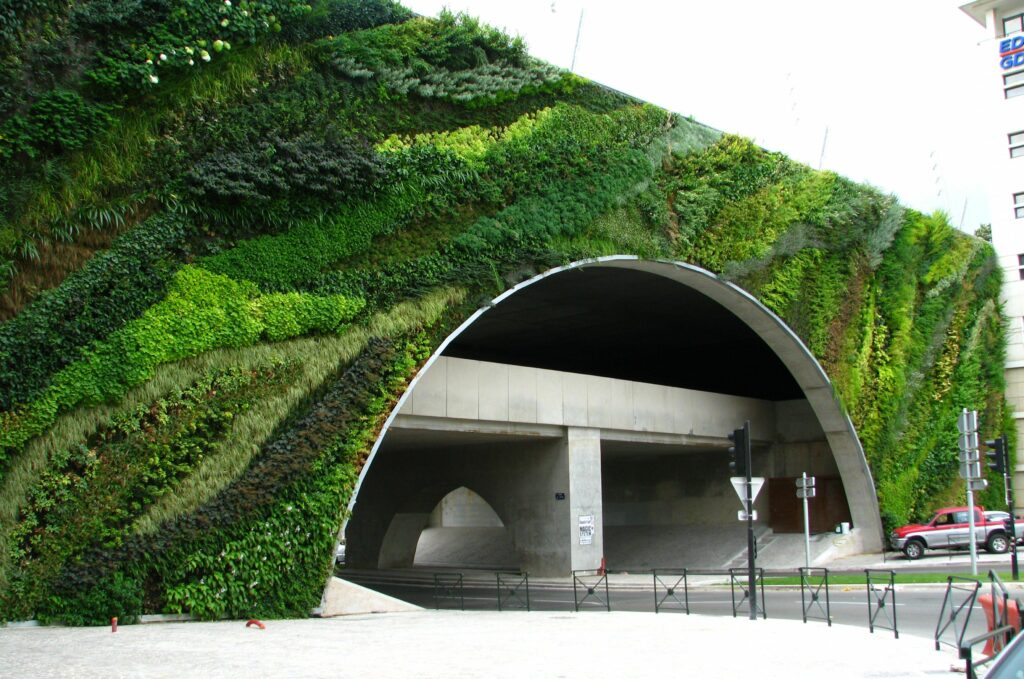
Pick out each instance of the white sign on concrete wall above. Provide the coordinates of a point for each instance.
(739, 484)
(586, 529)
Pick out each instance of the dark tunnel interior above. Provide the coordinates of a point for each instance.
(628, 325)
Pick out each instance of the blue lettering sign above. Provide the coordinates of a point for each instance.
(1012, 61)
(1011, 52)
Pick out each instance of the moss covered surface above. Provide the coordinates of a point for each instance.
(284, 208)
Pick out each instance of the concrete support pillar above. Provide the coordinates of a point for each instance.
(551, 489)
(583, 450)
(398, 549)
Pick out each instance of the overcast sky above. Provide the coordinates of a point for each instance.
(897, 83)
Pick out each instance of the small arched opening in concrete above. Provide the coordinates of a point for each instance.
(464, 531)
(593, 401)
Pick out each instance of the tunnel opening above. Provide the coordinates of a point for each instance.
(590, 405)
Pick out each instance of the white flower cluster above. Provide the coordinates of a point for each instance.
(199, 50)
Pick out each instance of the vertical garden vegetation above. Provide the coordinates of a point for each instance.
(231, 232)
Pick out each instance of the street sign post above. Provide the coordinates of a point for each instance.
(805, 490)
(739, 484)
(970, 470)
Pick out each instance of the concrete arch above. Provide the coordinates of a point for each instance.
(783, 342)
(411, 516)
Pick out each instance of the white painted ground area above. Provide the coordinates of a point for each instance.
(455, 645)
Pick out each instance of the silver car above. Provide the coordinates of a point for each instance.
(995, 515)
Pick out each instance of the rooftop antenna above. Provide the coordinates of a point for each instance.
(793, 102)
(939, 182)
(579, 28)
(824, 143)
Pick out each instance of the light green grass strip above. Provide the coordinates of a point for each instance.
(835, 579)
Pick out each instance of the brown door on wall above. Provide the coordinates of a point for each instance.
(827, 509)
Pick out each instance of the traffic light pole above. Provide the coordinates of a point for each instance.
(751, 547)
(1008, 484)
(1000, 456)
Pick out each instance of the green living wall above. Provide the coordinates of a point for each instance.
(231, 232)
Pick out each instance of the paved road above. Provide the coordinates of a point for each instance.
(917, 607)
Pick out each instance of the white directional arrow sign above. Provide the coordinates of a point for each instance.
(740, 484)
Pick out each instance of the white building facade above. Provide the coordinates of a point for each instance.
(1004, 116)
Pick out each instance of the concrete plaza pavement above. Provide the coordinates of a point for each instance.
(455, 644)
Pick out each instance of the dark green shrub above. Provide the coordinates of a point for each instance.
(334, 17)
(118, 595)
(59, 120)
(296, 174)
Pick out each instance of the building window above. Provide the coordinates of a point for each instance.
(1013, 84)
(1020, 266)
(1018, 205)
(1014, 24)
(1016, 140)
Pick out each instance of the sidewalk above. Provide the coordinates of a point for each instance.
(457, 645)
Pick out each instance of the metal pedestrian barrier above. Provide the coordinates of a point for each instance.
(881, 590)
(1002, 629)
(967, 649)
(814, 581)
(513, 591)
(1000, 613)
(667, 583)
(590, 582)
(448, 587)
(740, 577)
(955, 615)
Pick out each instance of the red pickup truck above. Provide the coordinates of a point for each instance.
(949, 529)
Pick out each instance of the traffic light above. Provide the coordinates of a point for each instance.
(997, 456)
(738, 452)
